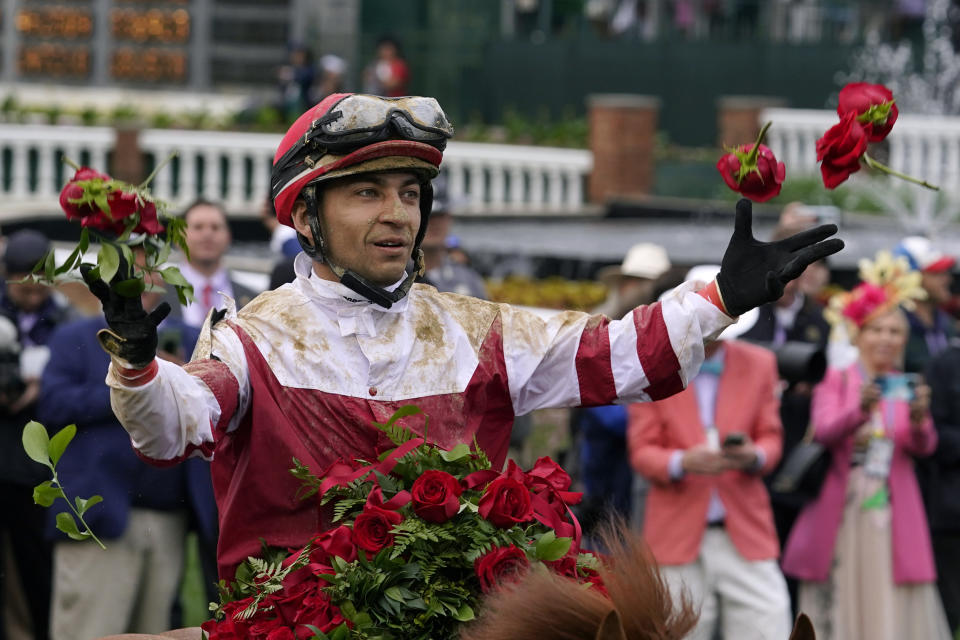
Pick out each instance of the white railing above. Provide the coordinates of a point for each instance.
(27, 182)
(924, 146)
(234, 167)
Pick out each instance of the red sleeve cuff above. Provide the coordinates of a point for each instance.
(711, 293)
(136, 377)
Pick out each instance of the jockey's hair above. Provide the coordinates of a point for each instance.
(546, 605)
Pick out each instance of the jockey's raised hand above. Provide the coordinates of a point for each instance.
(132, 333)
(753, 273)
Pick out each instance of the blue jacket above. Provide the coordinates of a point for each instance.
(100, 460)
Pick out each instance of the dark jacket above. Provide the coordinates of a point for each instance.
(922, 338)
(15, 466)
(100, 460)
(940, 474)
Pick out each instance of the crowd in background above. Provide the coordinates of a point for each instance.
(694, 473)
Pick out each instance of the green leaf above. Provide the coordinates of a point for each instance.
(394, 593)
(130, 288)
(60, 440)
(460, 451)
(45, 493)
(109, 261)
(84, 505)
(550, 548)
(184, 294)
(50, 265)
(128, 256)
(68, 525)
(36, 443)
(317, 634)
(68, 265)
(172, 275)
(84, 243)
(464, 613)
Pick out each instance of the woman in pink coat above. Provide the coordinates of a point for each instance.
(862, 549)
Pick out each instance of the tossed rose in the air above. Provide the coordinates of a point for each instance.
(840, 149)
(874, 106)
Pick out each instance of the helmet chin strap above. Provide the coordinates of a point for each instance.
(350, 279)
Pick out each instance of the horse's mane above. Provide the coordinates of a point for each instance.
(545, 605)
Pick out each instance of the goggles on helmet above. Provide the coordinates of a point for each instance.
(364, 118)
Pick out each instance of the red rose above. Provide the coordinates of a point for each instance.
(760, 183)
(371, 529)
(840, 149)
(436, 496)
(230, 628)
(565, 566)
(149, 223)
(550, 471)
(317, 610)
(501, 564)
(506, 502)
(874, 106)
(281, 633)
(334, 542)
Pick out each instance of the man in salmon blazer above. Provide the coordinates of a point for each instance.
(708, 519)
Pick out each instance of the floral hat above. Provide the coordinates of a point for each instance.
(886, 283)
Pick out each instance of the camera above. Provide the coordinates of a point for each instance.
(11, 380)
(799, 361)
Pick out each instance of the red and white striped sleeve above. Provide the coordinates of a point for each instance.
(575, 359)
(173, 412)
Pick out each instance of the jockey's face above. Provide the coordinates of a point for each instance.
(369, 223)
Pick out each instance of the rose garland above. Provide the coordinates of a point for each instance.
(421, 534)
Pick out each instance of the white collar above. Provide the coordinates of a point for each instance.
(355, 314)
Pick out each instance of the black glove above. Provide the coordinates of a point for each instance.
(753, 273)
(133, 332)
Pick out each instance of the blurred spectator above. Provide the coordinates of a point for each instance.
(862, 548)
(601, 431)
(633, 280)
(930, 327)
(442, 272)
(942, 490)
(283, 239)
(145, 510)
(208, 238)
(708, 520)
(332, 71)
(295, 82)
(388, 74)
(795, 317)
(30, 315)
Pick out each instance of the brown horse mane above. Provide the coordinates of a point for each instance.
(545, 605)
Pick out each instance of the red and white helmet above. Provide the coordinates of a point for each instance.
(346, 134)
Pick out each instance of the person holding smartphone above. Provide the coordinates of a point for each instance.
(708, 518)
(861, 549)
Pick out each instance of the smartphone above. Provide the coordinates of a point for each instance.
(734, 440)
(900, 386)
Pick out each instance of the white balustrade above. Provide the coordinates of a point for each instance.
(927, 147)
(482, 178)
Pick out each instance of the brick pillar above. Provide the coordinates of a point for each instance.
(738, 118)
(622, 136)
(127, 160)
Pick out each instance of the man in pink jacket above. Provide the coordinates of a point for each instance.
(708, 518)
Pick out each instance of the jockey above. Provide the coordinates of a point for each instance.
(303, 370)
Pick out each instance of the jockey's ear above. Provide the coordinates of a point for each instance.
(611, 628)
(802, 629)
